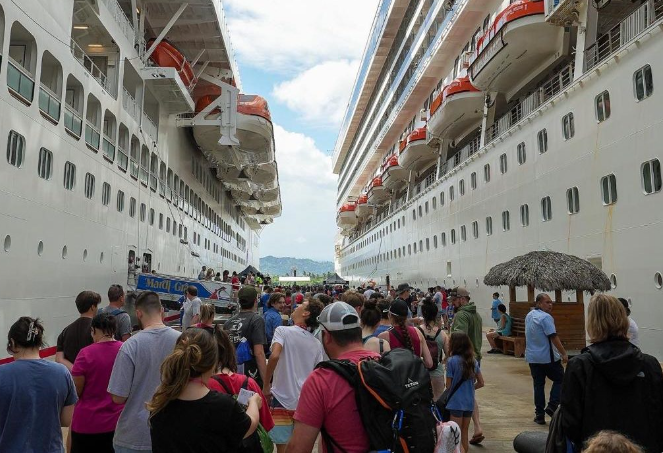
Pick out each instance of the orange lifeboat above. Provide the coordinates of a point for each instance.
(416, 154)
(363, 207)
(346, 216)
(459, 107)
(254, 132)
(377, 192)
(167, 56)
(517, 43)
(393, 176)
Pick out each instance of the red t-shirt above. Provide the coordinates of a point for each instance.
(328, 400)
(235, 382)
(235, 283)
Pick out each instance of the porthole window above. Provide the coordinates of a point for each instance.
(503, 164)
(101, 257)
(15, 149)
(85, 255)
(461, 187)
(453, 236)
(658, 280)
(120, 201)
(613, 281)
(463, 233)
(8, 243)
(473, 180)
(89, 185)
(506, 221)
(69, 181)
(443, 239)
(602, 106)
(609, 189)
(489, 226)
(420, 211)
(45, 164)
(64, 252)
(426, 207)
(451, 193)
(441, 198)
(435, 241)
(546, 209)
(143, 212)
(151, 217)
(573, 200)
(643, 83)
(542, 140)
(414, 214)
(524, 215)
(40, 248)
(651, 176)
(132, 207)
(434, 206)
(568, 126)
(475, 229)
(105, 194)
(522, 154)
(486, 173)
(427, 244)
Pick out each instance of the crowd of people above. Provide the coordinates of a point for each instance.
(258, 381)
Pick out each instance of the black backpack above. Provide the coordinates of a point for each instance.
(252, 443)
(431, 342)
(395, 402)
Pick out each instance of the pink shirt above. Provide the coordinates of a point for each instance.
(95, 411)
(328, 400)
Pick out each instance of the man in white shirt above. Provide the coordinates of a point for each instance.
(191, 308)
(294, 354)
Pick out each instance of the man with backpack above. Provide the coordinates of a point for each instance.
(340, 402)
(114, 308)
(247, 333)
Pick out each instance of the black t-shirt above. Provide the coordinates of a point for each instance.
(75, 337)
(247, 325)
(213, 424)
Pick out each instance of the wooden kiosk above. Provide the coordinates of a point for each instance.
(549, 272)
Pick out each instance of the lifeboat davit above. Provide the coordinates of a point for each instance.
(167, 56)
(346, 217)
(456, 109)
(364, 209)
(377, 192)
(416, 154)
(517, 42)
(393, 175)
(254, 132)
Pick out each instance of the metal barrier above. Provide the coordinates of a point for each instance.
(93, 69)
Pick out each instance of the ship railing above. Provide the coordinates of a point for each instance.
(73, 122)
(20, 81)
(149, 127)
(129, 104)
(133, 168)
(522, 109)
(49, 103)
(465, 152)
(121, 19)
(430, 179)
(622, 33)
(122, 159)
(108, 148)
(92, 135)
(144, 175)
(154, 182)
(93, 69)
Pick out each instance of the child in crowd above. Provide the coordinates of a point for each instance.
(463, 378)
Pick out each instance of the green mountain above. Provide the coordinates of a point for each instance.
(274, 265)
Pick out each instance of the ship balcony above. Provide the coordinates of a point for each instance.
(92, 136)
(122, 159)
(73, 122)
(49, 104)
(416, 154)
(377, 192)
(394, 176)
(458, 108)
(20, 82)
(516, 45)
(91, 67)
(346, 217)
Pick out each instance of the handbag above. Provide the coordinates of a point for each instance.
(443, 400)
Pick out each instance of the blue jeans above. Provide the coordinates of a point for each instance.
(119, 449)
(541, 371)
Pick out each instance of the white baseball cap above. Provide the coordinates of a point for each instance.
(339, 316)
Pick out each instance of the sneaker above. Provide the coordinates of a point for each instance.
(550, 410)
(540, 419)
(494, 351)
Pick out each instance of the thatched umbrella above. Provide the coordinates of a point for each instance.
(548, 271)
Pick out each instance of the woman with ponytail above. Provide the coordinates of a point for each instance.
(403, 336)
(37, 396)
(205, 421)
(370, 320)
(463, 378)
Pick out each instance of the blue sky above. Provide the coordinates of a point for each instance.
(302, 56)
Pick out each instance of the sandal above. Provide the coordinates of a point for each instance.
(477, 439)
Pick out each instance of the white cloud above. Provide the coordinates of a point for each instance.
(319, 95)
(307, 226)
(293, 35)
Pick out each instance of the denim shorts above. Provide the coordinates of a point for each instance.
(283, 423)
(461, 414)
